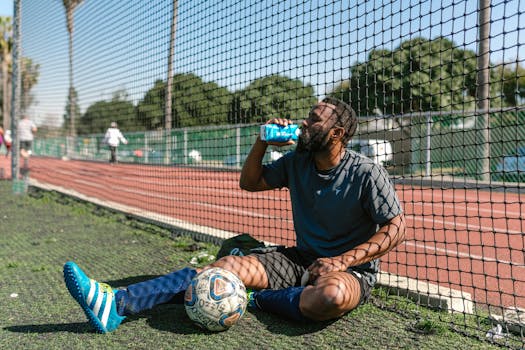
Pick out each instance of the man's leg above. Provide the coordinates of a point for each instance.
(282, 302)
(106, 308)
(112, 154)
(248, 268)
(23, 150)
(330, 297)
(145, 295)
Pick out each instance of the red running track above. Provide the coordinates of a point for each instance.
(465, 239)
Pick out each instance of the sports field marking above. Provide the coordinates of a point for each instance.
(449, 252)
(150, 194)
(467, 226)
(507, 214)
(231, 192)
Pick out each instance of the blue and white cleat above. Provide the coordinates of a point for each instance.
(96, 299)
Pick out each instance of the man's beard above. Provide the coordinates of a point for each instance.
(311, 143)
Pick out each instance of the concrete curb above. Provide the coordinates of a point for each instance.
(427, 294)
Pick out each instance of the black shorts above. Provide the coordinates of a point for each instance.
(285, 267)
(26, 145)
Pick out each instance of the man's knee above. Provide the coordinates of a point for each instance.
(330, 300)
(247, 268)
(226, 262)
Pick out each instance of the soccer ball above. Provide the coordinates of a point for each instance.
(216, 299)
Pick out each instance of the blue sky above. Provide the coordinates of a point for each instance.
(122, 45)
(6, 7)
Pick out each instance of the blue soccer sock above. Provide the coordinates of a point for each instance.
(283, 302)
(145, 295)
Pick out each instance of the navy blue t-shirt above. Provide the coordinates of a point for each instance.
(336, 210)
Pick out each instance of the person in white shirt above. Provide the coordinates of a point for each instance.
(113, 138)
(26, 129)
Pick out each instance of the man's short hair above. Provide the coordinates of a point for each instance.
(346, 117)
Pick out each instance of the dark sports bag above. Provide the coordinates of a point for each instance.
(239, 245)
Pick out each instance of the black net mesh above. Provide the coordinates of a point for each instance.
(438, 88)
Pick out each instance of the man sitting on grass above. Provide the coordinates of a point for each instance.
(346, 215)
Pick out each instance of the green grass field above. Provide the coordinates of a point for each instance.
(40, 231)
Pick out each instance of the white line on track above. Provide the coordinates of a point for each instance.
(197, 203)
(450, 252)
(476, 210)
(469, 227)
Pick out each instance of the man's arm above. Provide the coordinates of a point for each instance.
(251, 175)
(385, 239)
(107, 135)
(122, 138)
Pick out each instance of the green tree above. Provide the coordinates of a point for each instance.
(150, 110)
(272, 96)
(509, 82)
(507, 88)
(419, 75)
(194, 103)
(100, 114)
(30, 72)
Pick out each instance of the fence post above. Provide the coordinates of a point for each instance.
(483, 90)
(238, 146)
(15, 98)
(185, 150)
(428, 168)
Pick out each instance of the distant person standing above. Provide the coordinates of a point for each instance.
(113, 138)
(8, 141)
(26, 130)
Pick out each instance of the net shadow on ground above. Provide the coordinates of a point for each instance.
(46, 230)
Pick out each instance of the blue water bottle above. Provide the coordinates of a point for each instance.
(279, 133)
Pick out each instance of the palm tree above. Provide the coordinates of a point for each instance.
(70, 6)
(30, 74)
(6, 58)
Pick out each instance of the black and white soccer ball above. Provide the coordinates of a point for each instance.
(216, 299)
